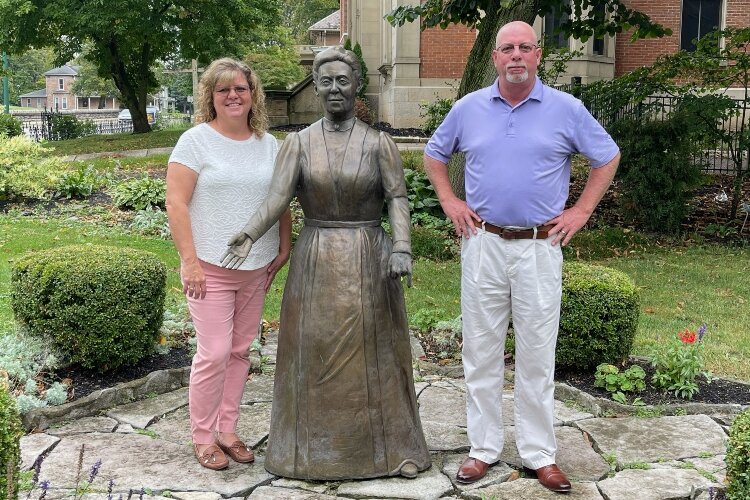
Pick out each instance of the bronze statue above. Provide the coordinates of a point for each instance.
(344, 403)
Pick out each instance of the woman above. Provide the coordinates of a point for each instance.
(344, 404)
(218, 175)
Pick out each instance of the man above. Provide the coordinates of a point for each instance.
(517, 136)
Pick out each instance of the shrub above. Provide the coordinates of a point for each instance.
(137, 194)
(10, 126)
(598, 317)
(657, 171)
(738, 457)
(66, 127)
(421, 194)
(434, 113)
(10, 449)
(100, 306)
(24, 172)
(152, 222)
(362, 110)
(79, 183)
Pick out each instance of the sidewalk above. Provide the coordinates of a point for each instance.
(145, 446)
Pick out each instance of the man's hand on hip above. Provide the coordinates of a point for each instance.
(567, 224)
(461, 215)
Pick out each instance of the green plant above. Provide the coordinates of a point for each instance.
(69, 127)
(434, 113)
(738, 457)
(610, 378)
(100, 306)
(10, 126)
(140, 193)
(598, 317)
(357, 49)
(677, 366)
(24, 172)
(79, 183)
(152, 221)
(421, 194)
(426, 319)
(11, 431)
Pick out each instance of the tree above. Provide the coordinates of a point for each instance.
(26, 72)
(276, 61)
(128, 38)
(299, 15)
(89, 83)
(586, 19)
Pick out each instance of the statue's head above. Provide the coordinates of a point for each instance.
(338, 77)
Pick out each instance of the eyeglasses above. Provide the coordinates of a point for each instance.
(239, 90)
(508, 48)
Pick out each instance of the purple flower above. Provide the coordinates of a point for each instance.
(94, 470)
(702, 331)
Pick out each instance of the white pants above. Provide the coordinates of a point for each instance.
(499, 278)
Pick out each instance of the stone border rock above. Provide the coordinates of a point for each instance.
(600, 406)
(157, 382)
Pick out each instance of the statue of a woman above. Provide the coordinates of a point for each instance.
(344, 404)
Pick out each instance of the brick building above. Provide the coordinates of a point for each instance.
(58, 93)
(408, 66)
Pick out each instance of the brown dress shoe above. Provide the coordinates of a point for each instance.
(472, 470)
(553, 478)
(211, 458)
(239, 451)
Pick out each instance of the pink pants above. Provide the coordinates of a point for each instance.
(226, 322)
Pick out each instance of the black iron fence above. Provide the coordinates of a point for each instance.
(717, 159)
(48, 129)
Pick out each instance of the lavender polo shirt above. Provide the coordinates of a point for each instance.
(518, 158)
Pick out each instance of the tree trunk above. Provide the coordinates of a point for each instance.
(133, 89)
(480, 70)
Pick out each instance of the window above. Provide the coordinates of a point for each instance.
(28, 102)
(60, 84)
(552, 36)
(57, 102)
(698, 18)
(65, 103)
(599, 47)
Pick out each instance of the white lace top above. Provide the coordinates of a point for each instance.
(233, 180)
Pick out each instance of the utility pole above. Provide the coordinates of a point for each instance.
(6, 87)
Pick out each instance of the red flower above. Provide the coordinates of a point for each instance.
(687, 337)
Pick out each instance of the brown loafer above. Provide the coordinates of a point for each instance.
(239, 451)
(472, 470)
(211, 458)
(552, 478)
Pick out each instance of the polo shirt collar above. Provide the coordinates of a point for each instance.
(537, 93)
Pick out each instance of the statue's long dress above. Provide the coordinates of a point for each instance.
(344, 404)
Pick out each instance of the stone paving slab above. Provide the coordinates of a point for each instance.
(575, 456)
(258, 389)
(566, 415)
(428, 485)
(652, 484)
(300, 485)
(442, 405)
(271, 493)
(142, 413)
(634, 439)
(530, 489)
(445, 437)
(253, 426)
(84, 425)
(134, 461)
(34, 445)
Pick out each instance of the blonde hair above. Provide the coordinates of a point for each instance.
(222, 71)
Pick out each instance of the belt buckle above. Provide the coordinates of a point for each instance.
(508, 233)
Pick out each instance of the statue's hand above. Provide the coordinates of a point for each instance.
(239, 249)
(400, 265)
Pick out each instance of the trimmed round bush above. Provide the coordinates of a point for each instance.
(11, 431)
(598, 317)
(10, 126)
(100, 306)
(738, 457)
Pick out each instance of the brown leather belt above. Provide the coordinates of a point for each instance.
(538, 232)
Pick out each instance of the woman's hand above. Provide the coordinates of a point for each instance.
(274, 267)
(193, 280)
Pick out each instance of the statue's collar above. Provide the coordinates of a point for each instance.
(343, 126)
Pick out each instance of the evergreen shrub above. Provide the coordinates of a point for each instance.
(738, 457)
(100, 306)
(11, 431)
(598, 317)
(10, 126)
